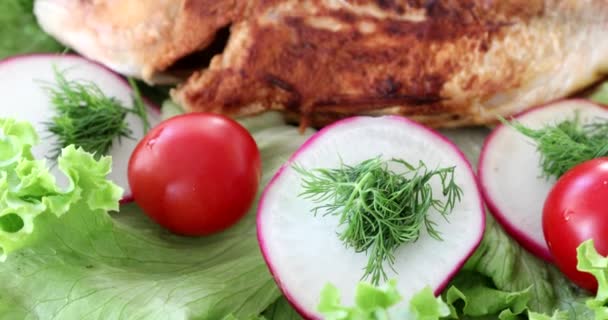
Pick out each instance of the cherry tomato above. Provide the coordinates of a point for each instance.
(195, 174)
(577, 210)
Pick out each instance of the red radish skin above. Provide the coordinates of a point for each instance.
(154, 110)
(309, 143)
(523, 239)
(538, 248)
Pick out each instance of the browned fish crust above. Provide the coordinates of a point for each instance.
(194, 28)
(443, 63)
(440, 62)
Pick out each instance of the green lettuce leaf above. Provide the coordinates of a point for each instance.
(476, 298)
(570, 299)
(20, 31)
(281, 310)
(376, 303)
(590, 261)
(512, 269)
(370, 302)
(472, 299)
(425, 306)
(557, 315)
(80, 262)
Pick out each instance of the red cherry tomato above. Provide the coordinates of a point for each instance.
(577, 210)
(195, 174)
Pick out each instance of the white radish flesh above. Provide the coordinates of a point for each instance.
(303, 251)
(511, 177)
(22, 82)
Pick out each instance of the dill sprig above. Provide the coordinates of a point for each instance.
(566, 144)
(380, 209)
(86, 117)
(138, 104)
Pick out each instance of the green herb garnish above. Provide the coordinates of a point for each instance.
(566, 144)
(379, 208)
(138, 104)
(86, 117)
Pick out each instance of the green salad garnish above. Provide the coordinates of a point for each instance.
(66, 256)
(474, 300)
(380, 209)
(85, 117)
(565, 144)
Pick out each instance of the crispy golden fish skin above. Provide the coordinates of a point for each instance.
(139, 38)
(442, 63)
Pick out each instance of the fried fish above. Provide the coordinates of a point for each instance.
(137, 38)
(443, 63)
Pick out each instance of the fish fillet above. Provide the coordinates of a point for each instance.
(134, 37)
(443, 63)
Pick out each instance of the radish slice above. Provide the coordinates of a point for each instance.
(21, 87)
(511, 177)
(304, 253)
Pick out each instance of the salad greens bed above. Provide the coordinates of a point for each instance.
(76, 258)
(475, 301)
(79, 261)
(20, 32)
